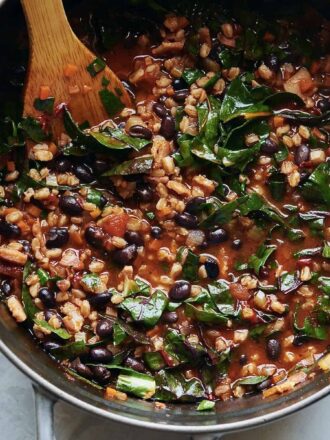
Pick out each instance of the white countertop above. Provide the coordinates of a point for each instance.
(17, 419)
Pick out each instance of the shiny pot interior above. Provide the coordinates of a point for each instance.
(19, 347)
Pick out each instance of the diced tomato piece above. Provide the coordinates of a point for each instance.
(115, 224)
(239, 292)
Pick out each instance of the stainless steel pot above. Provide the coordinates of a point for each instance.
(51, 384)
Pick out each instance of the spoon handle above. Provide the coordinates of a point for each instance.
(47, 23)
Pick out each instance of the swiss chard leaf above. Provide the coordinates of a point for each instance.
(289, 282)
(146, 310)
(32, 129)
(111, 102)
(138, 384)
(259, 259)
(241, 100)
(300, 117)
(310, 329)
(316, 188)
(251, 380)
(190, 267)
(174, 387)
(138, 165)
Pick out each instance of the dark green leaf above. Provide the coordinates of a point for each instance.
(61, 332)
(259, 259)
(205, 405)
(326, 250)
(111, 102)
(44, 105)
(289, 282)
(95, 197)
(190, 267)
(277, 186)
(312, 252)
(96, 67)
(192, 75)
(309, 329)
(316, 188)
(251, 380)
(138, 384)
(174, 387)
(138, 165)
(305, 118)
(32, 129)
(154, 360)
(70, 351)
(146, 310)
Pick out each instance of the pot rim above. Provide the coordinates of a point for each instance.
(216, 428)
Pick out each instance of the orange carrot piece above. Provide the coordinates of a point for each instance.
(70, 70)
(44, 92)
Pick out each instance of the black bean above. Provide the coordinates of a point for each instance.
(160, 110)
(70, 206)
(323, 105)
(236, 244)
(94, 236)
(194, 204)
(325, 91)
(47, 297)
(82, 369)
(299, 340)
(126, 256)
(269, 147)
(140, 132)
(100, 354)
(101, 374)
(179, 84)
(272, 62)
(5, 287)
(156, 232)
(103, 201)
(62, 165)
(301, 154)
(99, 301)
(84, 173)
(212, 268)
(181, 95)
(135, 364)
(170, 317)
(9, 230)
(133, 237)
(186, 220)
(167, 128)
(144, 193)
(51, 345)
(264, 273)
(263, 385)
(180, 291)
(273, 349)
(217, 236)
(304, 176)
(49, 313)
(104, 328)
(100, 166)
(57, 237)
(243, 359)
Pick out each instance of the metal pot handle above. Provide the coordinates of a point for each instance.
(44, 405)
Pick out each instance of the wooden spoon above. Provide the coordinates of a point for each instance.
(58, 66)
